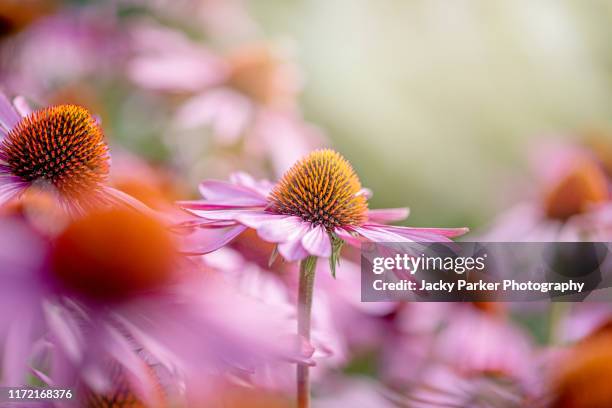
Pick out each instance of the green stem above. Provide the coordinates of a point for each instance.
(304, 308)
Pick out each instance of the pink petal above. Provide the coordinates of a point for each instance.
(281, 229)
(21, 106)
(217, 214)
(316, 242)
(386, 233)
(8, 115)
(445, 232)
(205, 240)
(10, 190)
(388, 215)
(292, 250)
(122, 198)
(262, 186)
(138, 370)
(256, 219)
(226, 193)
(376, 235)
(17, 348)
(347, 237)
(65, 331)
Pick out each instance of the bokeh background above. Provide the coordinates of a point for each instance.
(437, 103)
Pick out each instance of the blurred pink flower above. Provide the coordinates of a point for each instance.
(249, 94)
(69, 46)
(573, 201)
(317, 204)
(94, 299)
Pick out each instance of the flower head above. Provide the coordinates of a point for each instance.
(322, 189)
(57, 148)
(60, 145)
(316, 206)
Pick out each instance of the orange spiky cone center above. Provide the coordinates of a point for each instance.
(322, 189)
(62, 146)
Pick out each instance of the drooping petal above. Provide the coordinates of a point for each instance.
(280, 230)
(262, 186)
(21, 106)
(256, 219)
(8, 116)
(205, 240)
(138, 371)
(316, 242)
(377, 235)
(228, 214)
(10, 189)
(16, 351)
(347, 237)
(225, 193)
(292, 250)
(425, 232)
(119, 197)
(65, 331)
(388, 215)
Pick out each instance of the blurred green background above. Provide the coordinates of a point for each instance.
(437, 103)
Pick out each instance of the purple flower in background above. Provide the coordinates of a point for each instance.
(572, 203)
(249, 94)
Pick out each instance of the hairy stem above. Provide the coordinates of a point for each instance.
(306, 286)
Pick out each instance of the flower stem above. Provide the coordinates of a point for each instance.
(305, 290)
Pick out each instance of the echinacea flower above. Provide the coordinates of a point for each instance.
(573, 202)
(109, 305)
(58, 148)
(248, 95)
(582, 378)
(315, 206)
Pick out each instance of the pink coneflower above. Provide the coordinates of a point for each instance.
(315, 207)
(573, 201)
(109, 306)
(248, 95)
(60, 149)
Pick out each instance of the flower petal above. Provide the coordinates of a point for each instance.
(444, 232)
(10, 190)
(281, 229)
(226, 193)
(8, 115)
(21, 106)
(65, 331)
(256, 219)
(17, 346)
(386, 233)
(205, 240)
(347, 237)
(292, 250)
(316, 242)
(388, 215)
